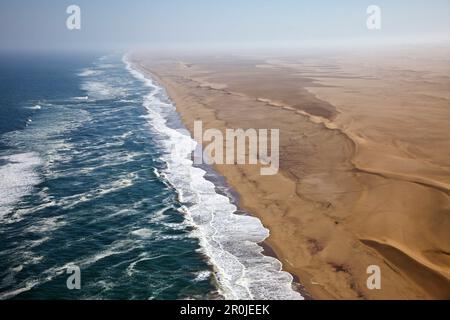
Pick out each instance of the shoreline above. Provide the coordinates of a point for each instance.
(222, 188)
(235, 198)
(328, 258)
(296, 283)
(268, 249)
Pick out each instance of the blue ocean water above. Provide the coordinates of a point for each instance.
(96, 200)
(95, 172)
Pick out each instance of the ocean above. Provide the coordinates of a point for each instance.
(95, 171)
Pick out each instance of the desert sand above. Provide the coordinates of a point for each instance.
(364, 157)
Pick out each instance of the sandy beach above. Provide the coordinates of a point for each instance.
(364, 159)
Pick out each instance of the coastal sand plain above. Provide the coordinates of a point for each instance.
(364, 159)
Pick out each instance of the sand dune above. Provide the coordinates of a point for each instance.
(365, 160)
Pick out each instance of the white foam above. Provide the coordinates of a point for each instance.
(17, 178)
(121, 182)
(35, 107)
(83, 98)
(229, 240)
(89, 72)
(46, 225)
(26, 287)
(143, 233)
(102, 90)
(202, 276)
(106, 65)
(128, 100)
(117, 247)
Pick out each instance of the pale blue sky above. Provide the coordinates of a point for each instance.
(120, 24)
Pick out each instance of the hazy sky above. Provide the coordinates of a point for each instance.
(120, 24)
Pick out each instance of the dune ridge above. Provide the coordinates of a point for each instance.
(337, 206)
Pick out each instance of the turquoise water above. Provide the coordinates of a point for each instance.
(96, 172)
